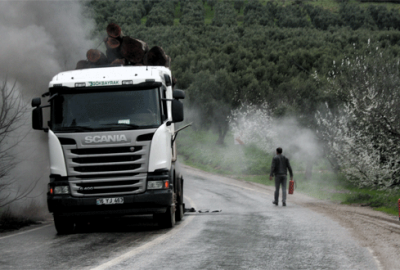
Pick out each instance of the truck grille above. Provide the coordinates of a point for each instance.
(107, 168)
(102, 170)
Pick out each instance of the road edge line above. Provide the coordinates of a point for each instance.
(148, 245)
(35, 229)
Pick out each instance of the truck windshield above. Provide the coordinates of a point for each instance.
(116, 110)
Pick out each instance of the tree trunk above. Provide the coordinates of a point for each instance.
(134, 50)
(174, 81)
(156, 57)
(118, 62)
(112, 43)
(96, 57)
(114, 30)
(222, 131)
(309, 167)
(82, 64)
(113, 54)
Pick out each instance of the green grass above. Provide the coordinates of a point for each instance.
(198, 149)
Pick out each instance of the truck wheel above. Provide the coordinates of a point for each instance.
(167, 220)
(64, 225)
(179, 212)
(180, 207)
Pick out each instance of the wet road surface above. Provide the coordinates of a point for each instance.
(249, 233)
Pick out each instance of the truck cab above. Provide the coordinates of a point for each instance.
(111, 138)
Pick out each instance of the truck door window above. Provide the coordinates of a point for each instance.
(164, 104)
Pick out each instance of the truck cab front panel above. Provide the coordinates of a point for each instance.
(104, 163)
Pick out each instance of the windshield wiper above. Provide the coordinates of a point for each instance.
(123, 126)
(76, 128)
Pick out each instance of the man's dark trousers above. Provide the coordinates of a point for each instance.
(280, 180)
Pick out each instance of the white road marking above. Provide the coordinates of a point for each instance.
(378, 263)
(8, 236)
(148, 245)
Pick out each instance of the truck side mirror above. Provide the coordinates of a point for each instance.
(37, 118)
(177, 111)
(178, 94)
(36, 102)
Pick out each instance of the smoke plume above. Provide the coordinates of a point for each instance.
(255, 125)
(39, 39)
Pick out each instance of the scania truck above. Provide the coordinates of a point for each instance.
(111, 138)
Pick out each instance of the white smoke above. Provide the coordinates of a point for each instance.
(41, 38)
(38, 40)
(255, 125)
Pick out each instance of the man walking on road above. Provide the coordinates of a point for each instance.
(280, 166)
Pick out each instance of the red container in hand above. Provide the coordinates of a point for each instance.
(399, 207)
(291, 187)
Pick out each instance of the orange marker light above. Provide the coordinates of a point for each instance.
(166, 184)
(51, 191)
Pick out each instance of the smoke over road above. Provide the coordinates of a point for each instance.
(255, 125)
(39, 39)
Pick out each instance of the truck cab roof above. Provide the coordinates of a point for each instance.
(109, 76)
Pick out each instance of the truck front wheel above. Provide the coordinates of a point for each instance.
(166, 220)
(179, 212)
(64, 225)
(179, 204)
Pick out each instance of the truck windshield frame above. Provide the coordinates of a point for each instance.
(119, 108)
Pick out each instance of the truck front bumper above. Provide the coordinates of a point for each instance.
(150, 202)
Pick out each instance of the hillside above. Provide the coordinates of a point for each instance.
(314, 62)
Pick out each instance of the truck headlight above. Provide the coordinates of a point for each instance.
(163, 184)
(61, 190)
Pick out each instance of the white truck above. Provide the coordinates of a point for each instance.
(111, 138)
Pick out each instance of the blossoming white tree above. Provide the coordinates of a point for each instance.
(363, 134)
(253, 124)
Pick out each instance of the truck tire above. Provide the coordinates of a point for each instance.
(179, 212)
(64, 225)
(166, 220)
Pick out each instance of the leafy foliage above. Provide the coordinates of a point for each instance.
(363, 135)
(192, 14)
(224, 15)
(273, 57)
(162, 13)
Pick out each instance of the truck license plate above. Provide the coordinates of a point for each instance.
(119, 200)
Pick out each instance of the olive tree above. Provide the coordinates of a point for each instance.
(213, 95)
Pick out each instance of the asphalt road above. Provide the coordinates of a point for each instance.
(249, 233)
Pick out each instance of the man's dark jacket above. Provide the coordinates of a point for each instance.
(280, 166)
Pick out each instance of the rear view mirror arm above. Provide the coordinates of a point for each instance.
(176, 132)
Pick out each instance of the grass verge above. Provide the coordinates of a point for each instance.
(11, 222)
(15, 217)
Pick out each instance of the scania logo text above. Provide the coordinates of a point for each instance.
(105, 138)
